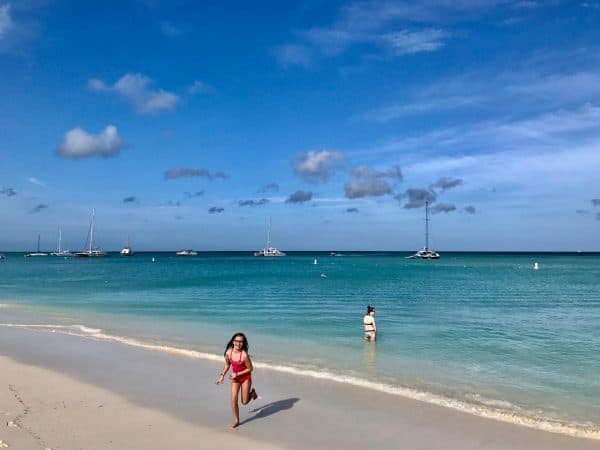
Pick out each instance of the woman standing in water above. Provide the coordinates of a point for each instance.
(369, 324)
(237, 357)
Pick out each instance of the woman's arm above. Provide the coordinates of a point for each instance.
(224, 371)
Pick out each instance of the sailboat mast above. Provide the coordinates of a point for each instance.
(59, 239)
(38, 246)
(269, 234)
(92, 228)
(426, 225)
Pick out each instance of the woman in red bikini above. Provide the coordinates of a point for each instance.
(237, 357)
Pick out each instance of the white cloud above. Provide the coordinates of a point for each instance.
(136, 88)
(559, 87)
(376, 23)
(406, 42)
(539, 155)
(556, 123)
(34, 180)
(77, 143)
(317, 165)
(374, 14)
(367, 182)
(420, 107)
(333, 41)
(6, 22)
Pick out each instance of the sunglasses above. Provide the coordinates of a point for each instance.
(239, 342)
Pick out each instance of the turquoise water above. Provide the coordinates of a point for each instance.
(480, 332)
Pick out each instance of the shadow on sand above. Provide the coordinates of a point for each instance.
(271, 408)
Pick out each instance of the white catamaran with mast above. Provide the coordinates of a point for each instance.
(426, 252)
(89, 242)
(269, 250)
(37, 252)
(59, 251)
(127, 250)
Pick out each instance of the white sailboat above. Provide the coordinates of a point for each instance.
(269, 250)
(60, 251)
(127, 251)
(37, 252)
(186, 252)
(426, 252)
(91, 251)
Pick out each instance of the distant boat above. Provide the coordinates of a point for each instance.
(89, 242)
(315, 262)
(426, 252)
(269, 250)
(186, 253)
(127, 251)
(2, 257)
(37, 252)
(59, 251)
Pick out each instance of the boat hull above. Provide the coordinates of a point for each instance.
(92, 254)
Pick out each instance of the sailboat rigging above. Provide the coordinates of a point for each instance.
(269, 250)
(37, 252)
(91, 251)
(426, 252)
(60, 251)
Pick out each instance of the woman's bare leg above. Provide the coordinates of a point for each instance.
(248, 394)
(235, 409)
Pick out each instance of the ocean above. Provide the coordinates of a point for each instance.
(479, 332)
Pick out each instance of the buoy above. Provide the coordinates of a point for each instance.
(315, 261)
(153, 259)
(536, 266)
(323, 275)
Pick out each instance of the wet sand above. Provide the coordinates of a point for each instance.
(61, 391)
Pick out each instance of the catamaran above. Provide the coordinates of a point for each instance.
(37, 252)
(186, 252)
(59, 251)
(426, 252)
(89, 242)
(269, 250)
(127, 251)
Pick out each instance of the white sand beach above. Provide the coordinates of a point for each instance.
(67, 392)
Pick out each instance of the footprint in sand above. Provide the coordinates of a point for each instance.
(11, 423)
(3, 444)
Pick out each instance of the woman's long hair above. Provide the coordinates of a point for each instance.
(230, 343)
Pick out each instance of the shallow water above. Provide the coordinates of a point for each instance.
(481, 332)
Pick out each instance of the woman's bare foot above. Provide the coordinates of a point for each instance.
(253, 394)
(234, 425)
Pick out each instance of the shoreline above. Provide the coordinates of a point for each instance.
(475, 409)
(182, 387)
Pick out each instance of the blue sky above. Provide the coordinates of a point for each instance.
(188, 125)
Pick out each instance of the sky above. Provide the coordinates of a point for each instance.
(188, 124)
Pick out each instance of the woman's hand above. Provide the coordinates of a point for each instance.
(233, 375)
(220, 379)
